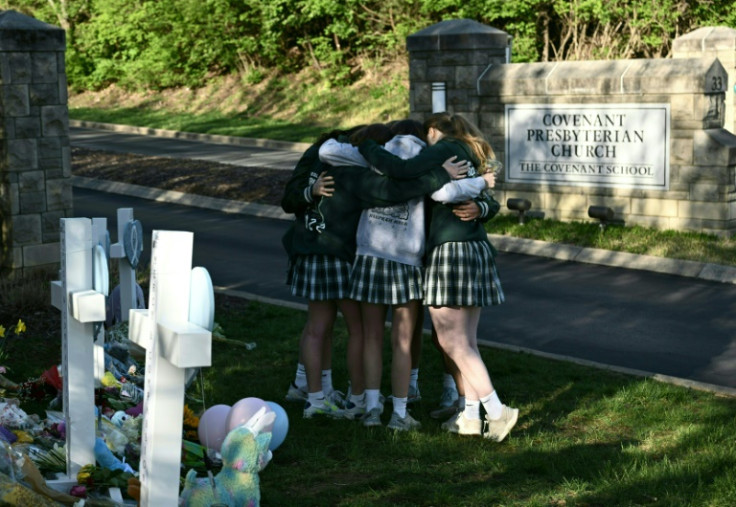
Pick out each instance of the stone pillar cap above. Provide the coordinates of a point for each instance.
(453, 34)
(611, 77)
(706, 39)
(19, 32)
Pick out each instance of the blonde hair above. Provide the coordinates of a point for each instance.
(457, 127)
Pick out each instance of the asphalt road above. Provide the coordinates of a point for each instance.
(657, 323)
(224, 153)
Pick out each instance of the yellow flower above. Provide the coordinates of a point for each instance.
(23, 437)
(190, 420)
(2, 331)
(85, 473)
(20, 327)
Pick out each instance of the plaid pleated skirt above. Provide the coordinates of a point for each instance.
(381, 281)
(319, 277)
(462, 274)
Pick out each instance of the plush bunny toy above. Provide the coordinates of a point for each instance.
(244, 454)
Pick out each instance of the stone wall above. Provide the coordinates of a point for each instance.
(700, 156)
(35, 166)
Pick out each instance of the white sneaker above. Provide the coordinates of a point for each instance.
(414, 395)
(353, 411)
(327, 409)
(497, 429)
(444, 412)
(336, 397)
(295, 394)
(407, 423)
(461, 425)
(373, 417)
(449, 397)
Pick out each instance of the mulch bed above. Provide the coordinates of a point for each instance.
(201, 177)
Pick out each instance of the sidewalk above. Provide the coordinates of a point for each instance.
(692, 269)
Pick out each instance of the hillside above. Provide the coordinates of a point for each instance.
(303, 98)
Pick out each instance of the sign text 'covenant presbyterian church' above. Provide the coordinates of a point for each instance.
(604, 145)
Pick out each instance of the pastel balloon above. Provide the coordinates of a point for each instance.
(243, 410)
(213, 426)
(280, 426)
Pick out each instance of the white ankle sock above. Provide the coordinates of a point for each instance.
(493, 406)
(316, 399)
(358, 399)
(371, 398)
(472, 409)
(327, 381)
(414, 378)
(400, 406)
(300, 379)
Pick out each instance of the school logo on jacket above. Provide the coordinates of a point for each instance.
(398, 212)
(314, 220)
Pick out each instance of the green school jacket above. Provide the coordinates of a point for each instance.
(444, 226)
(330, 227)
(298, 191)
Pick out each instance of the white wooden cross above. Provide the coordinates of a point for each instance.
(125, 268)
(101, 237)
(172, 344)
(81, 306)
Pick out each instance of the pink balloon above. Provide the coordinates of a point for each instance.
(243, 410)
(213, 426)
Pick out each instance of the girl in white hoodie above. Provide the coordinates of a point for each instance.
(388, 272)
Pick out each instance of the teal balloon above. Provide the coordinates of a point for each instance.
(280, 426)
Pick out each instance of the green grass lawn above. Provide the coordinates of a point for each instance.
(585, 437)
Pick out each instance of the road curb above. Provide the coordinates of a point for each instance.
(665, 379)
(192, 136)
(689, 269)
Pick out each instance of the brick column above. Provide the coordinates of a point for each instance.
(35, 166)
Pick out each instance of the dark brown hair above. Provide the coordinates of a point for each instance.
(334, 134)
(378, 132)
(408, 127)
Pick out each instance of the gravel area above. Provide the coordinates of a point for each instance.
(249, 184)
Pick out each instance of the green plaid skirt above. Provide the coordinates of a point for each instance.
(462, 274)
(319, 277)
(381, 281)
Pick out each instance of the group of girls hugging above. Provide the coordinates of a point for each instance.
(391, 216)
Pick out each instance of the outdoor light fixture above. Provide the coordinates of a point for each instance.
(520, 205)
(602, 213)
(439, 97)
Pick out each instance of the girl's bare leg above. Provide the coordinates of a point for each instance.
(374, 319)
(402, 339)
(356, 343)
(320, 319)
(457, 335)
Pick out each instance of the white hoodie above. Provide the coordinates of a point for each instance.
(396, 232)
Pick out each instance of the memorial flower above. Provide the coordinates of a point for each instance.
(6, 338)
(191, 423)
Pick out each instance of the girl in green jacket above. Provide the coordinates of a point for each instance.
(308, 184)
(321, 250)
(460, 274)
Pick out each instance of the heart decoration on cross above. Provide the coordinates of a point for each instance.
(133, 242)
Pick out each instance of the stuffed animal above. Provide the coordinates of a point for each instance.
(244, 454)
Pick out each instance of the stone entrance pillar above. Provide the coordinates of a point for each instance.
(35, 165)
(446, 60)
(710, 42)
